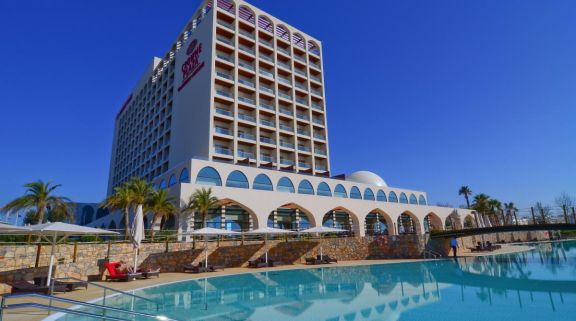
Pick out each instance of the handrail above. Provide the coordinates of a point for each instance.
(57, 309)
(75, 302)
(111, 289)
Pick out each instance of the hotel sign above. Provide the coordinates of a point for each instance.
(192, 66)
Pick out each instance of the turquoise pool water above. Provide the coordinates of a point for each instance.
(534, 285)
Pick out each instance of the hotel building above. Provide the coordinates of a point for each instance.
(238, 104)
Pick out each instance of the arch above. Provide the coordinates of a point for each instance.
(87, 214)
(101, 212)
(432, 222)
(469, 222)
(342, 218)
(227, 5)
(291, 216)
(422, 200)
(368, 194)
(379, 222)
(324, 189)
(246, 14)
(340, 191)
(305, 187)
(237, 179)
(413, 199)
(112, 225)
(184, 176)
(392, 197)
(265, 24)
(162, 185)
(285, 185)
(313, 48)
(452, 222)
(408, 223)
(262, 182)
(208, 176)
(381, 196)
(172, 181)
(230, 215)
(282, 32)
(298, 40)
(355, 193)
(403, 199)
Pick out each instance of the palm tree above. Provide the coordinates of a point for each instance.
(121, 200)
(466, 192)
(510, 211)
(40, 198)
(162, 205)
(495, 208)
(202, 201)
(480, 204)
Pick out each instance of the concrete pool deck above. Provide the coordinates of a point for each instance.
(93, 293)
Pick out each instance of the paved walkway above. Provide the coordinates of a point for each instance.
(92, 293)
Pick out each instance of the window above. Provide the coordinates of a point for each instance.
(422, 200)
(368, 194)
(403, 198)
(355, 193)
(340, 191)
(184, 176)
(305, 187)
(285, 185)
(237, 179)
(162, 185)
(392, 197)
(324, 189)
(172, 180)
(381, 196)
(413, 199)
(208, 176)
(262, 182)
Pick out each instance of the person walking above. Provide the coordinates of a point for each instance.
(454, 245)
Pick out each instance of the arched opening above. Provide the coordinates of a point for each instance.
(432, 223)
(469, 222)
(313, 48)
(355, 193)
(162, 185)
(305, 187)
(341, 218)
(403, 198)
(324, 189)
(381, 196)
(291, 217)
(283, 33)
(453, 222)
(408, 224)
(392, 197)
(285, 185)
(298, 40)
(87, 215)
(247, 15)
(208, 176)
(422, 200)
(368, 194)
(229, 215)
(262, 182)
(340, 191)
(226, 5)
(172, 181)
(184, 176)
(413, 199)
(379, 223)
(237, 179)
(265, 24)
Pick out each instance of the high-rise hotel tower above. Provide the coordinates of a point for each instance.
(236, 86)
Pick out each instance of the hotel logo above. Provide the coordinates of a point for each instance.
(192, 66)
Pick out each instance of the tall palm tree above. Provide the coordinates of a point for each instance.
(40, 198)
(121, 200)
(202, 201)
(480, 204)
(510, 210)
(466, 192)
(495, 207)
(141, 191)
(162, 205)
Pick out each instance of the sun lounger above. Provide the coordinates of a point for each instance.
(27, 287)
(114, 275)
(197, 268)
(147, 273)
(72, 285)
(312, 261)
(327, 259)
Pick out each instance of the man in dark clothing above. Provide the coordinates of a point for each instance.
(454, 245)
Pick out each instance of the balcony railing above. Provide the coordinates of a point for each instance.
(266, 73)
(267, 89)
(247, 100)
(222, 130)
(248, 118)
(316, 78)
(246, 136)
(267, 123)
(315, 65)
(321, 168)
(285, 96)
(267, 140)
(284, 80)
(224, 93)
(303, 132)
(244, 154)
(304, 165)
(319, 136)
(317, 106)
(288, 162)
(224, 75)
(286, 112)
(246, 49)
(226, 24)
(300, 72)
(247, 83)
(247, 34)
(246, 65)
(267, 58)
(266, 42)
(284, 51)
(302, 101)
(320, 152)
(286, 128)
(316, 92)
(285, 65)
(226, 41)
(301, 86)
(224, 57)
(266, 106)
(222, 151)
(301, 59)
(302, 116)
(223, 112)
(317, 121)
(268, 159)
(304, 148)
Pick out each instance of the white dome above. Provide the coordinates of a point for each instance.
(365, 177)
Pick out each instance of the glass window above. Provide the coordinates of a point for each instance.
(381, 196)
(422, 200)
(162, 185)
(172, 180)
(368, 194)
(208, 176)
(237, 179)
(305, 187)
(403, 198)
(340, 191)
(184, 176)
(324, 189)
(262, 182)
(285, 185)
(413, 199)
(355, 193)
(392, 197)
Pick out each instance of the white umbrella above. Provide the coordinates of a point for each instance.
(210, 231)
(321, 230)
(51, 233)
(137, 233)
(268, 231)
(11, 228)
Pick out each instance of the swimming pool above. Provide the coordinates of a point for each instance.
(539, 284)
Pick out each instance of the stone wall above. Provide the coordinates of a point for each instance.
(467, 242)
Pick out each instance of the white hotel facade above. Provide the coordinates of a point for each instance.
(238, 104)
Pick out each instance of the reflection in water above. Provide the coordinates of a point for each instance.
(536, 284)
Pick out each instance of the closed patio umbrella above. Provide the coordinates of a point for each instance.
(137, 233)
(268, 231)
(210, 231)
(321, 230)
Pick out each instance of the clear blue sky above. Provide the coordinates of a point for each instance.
(431, 95)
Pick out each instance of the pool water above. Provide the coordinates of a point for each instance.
(535, 285)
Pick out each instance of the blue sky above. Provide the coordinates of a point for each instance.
(431, 95)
